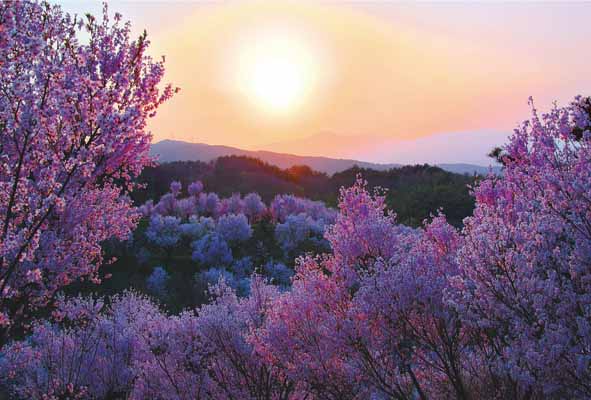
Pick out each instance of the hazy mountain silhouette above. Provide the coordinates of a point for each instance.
(176, 150)
(341, 146)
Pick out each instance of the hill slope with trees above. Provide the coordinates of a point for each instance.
(414, 192)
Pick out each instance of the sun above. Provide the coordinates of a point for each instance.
(276, 82)
(276, 70)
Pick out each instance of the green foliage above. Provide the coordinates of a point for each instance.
(414, 192)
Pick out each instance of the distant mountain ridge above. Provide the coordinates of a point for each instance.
(176, 150)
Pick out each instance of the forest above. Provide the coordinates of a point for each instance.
(413, 192)
(238, 280)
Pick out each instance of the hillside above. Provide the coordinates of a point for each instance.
(175, 150)
(414, 192)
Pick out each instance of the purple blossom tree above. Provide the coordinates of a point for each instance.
(525, 271)
(197, 227)
(209, 203)
(234, 228)
(175, 188)
(157, 282)
(295, 230)
(89, 350)
(195, 188)
(212, 250)
(254, 208)
(164, 232)
(232, 205)
(284, 205)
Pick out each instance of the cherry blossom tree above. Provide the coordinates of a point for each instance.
(237, 371)
(310, 329)
(88, 350)
(525, 268)
(407, 341)
(73, 136)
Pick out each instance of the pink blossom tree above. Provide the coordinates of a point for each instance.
(306, 335)
(237, 371)
(72, 137)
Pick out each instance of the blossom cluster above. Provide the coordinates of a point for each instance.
(220, 234)
(297, 229)
(131, 349)
(285, 205)
(200, 203)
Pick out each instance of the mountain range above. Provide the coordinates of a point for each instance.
(176, 150)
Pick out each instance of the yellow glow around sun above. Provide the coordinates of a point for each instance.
(275, 69)
(276, 82)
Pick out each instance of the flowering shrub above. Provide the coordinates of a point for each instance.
(295, 230)
(278, 273)
(214, 276)
(164, 231)
(364, 231)
(209, 203)
(147, 209)
(232, 205)
(234, 228)
(167, 205)
(207, 354)
(283, 206)
(185, 208)
(130, 349)
(237, 370)
(212, 249)
(195, 188)
(175, 188)
(218, 229)
(197, 227)
(157, 281)
(173, 363)
(243, 267)
(254, 208)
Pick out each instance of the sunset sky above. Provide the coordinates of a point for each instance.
(386, 82)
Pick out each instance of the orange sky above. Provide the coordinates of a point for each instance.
(387, 71)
